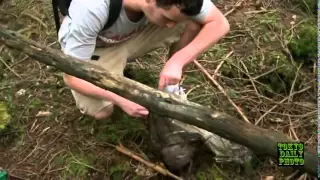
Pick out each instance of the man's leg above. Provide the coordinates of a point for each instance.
(154, 37)
(113, 59)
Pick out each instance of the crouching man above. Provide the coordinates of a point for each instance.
(189, 27)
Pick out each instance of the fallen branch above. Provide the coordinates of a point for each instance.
(147, 163)
(261, 141)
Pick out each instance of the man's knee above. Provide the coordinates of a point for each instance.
(96, 108)
(104, 113)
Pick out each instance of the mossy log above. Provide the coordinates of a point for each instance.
(259, 140)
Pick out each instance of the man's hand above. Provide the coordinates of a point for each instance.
(170, 74)
(133, 109)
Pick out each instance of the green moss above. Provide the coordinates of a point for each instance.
(123, 128)
(144, 76)
(217, 51)
(307, 5)
(120, 167)
(4, 116)
(281, 79)
(208, 174)
(272, 19)
(303, 46)
(77, 165)
(78, 168)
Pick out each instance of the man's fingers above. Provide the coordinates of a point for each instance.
(144, 112)
(167, 81)
(141, 114)
(173, 81)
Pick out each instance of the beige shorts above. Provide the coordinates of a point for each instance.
(114, 58)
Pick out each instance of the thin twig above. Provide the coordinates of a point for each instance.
(275, 106)
(149, 164)
(36, 19)
(10, 68)
(221, 89)
(303, 177)
(51, 159)
(140, 64)
(255, 12)
(250, 78)
(292, 130)
(193, 88)
(219, 66)
(292, 175)
(221, 172)
(1, 48)
(34, 150)
(86, 165)
(293, 83)
(16, 63)
(238, 4)
(268, 72)
(55, 170)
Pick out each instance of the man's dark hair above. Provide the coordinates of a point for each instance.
(189, 7)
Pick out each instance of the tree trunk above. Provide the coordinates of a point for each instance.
(259, 140)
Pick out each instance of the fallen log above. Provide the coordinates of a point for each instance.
(259, 140)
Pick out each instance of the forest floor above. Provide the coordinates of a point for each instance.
(48, 138)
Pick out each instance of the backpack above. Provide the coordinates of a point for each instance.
(63, 6)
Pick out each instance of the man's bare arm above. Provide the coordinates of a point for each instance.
(88, 89)
(214, 27)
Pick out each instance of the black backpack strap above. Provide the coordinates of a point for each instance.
(56, 14)
(114, 11)
(63, 6)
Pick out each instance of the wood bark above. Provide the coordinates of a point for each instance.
(261, 141)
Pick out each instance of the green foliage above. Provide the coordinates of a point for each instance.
(4, 116)
(270, 19)
(77, 165)
(208, 174)
(36, 103)
(123, 128)
(303, 46)
(309, 6)
(280, 80)
(144, 76)
(118, 169)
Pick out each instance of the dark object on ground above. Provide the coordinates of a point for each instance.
(168, 142)
(260, 141)
(172, 144)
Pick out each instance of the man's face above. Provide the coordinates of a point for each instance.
(163, 16)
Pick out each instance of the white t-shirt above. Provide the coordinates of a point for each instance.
(78, 34)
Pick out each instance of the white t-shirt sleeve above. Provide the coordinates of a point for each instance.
(78, 35)
(205, 10)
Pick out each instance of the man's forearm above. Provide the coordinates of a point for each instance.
(89, 89)
(191, 30)
(209, 34)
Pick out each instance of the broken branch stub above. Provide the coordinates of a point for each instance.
(259, 140)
